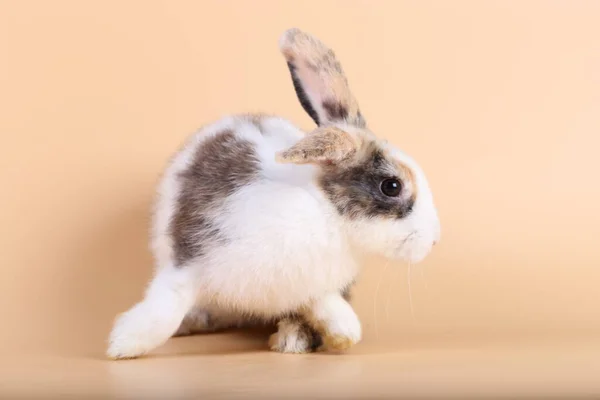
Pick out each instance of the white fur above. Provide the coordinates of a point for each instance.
(152, 321)
(286, 247)
(337, 316)
(423, 222)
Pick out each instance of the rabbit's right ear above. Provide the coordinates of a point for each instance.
(325, 146)
(319, 80)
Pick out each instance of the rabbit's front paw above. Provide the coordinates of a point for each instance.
(336, 321)
(338, 342)
(342, 332)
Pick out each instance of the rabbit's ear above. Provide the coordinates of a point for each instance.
(327, 146)
(319, 80)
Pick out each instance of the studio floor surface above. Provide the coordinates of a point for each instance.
(236, 365)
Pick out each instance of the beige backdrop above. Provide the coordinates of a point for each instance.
(498, 100)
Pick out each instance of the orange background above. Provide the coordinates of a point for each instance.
(499, 101)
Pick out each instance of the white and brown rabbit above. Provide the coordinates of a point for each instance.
(258, 220)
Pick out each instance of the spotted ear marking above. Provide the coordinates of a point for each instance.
(319, 80)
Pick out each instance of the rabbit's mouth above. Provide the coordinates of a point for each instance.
(414, 248)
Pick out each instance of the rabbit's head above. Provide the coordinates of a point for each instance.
(381, 194)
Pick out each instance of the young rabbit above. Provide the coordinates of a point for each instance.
(257, 221)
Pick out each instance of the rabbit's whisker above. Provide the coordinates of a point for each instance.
(389, 293)
(410, 300)
(381, 276)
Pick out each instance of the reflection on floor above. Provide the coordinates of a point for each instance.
(237, 365)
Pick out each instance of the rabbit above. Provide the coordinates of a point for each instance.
(256, 220)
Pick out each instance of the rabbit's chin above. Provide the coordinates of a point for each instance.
(413, 256)
(413, 251)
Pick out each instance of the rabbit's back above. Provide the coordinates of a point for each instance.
(226, 208)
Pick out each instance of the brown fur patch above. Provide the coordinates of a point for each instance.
(222, 164)
(337, 342)
(355, 189)
(408, 176)
(336, 111)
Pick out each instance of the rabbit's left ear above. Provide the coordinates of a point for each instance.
(319, 80)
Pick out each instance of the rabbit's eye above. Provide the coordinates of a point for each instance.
(391, 187)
